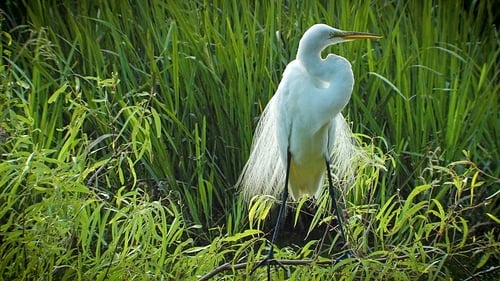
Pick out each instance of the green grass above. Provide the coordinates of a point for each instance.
(124, 127)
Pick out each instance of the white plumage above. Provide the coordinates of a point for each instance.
(304, 117)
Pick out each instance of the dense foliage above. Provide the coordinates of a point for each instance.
(124, 126)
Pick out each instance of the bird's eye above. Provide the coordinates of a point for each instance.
(332, 35)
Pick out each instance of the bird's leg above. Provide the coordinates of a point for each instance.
(331, 190)
(269, 259)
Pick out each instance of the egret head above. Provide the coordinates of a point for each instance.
(320, 36)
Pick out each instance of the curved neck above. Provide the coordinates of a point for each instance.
(311, 60)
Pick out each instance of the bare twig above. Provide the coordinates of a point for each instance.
(480, 273)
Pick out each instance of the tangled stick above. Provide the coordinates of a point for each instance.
(229, 266)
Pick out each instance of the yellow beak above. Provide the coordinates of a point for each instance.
(351, 35)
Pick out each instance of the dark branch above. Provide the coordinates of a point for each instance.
(484, 272)
(229, 266)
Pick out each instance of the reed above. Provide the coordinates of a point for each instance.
(124, 126)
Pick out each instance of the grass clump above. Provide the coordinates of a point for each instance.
(124, 126)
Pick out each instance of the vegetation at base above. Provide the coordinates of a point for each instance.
(124, 126)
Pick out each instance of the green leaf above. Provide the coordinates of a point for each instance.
(484, 259)
(493, 217)
(56, 94)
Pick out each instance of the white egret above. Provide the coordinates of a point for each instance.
(302, 128)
